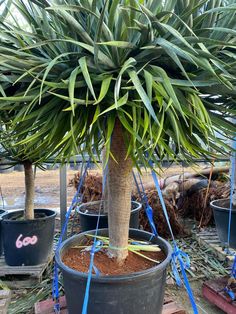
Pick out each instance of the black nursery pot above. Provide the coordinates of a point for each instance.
(135, 293)
(2, 212)
(221, 209)
(88, 220)
(28, 242)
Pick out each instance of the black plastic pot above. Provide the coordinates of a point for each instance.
(221, 215)
(88, 220)
(136, 293)
(2, 212)
(28, 242)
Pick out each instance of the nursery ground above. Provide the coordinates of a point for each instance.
(204, 265)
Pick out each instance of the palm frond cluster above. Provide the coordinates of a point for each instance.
(165, 69)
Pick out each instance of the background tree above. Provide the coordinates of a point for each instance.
(141, 79)
(16, 153)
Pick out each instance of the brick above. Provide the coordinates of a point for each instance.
(212, 290)
(46, 307)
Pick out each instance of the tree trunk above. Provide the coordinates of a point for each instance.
(119, 196)
(105, 187)
(29, 190)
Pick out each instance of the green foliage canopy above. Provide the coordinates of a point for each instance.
(165, 69)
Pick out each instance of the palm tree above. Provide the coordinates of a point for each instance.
(133, 77)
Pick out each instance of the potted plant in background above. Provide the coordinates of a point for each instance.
(28, 234)
(89, 213)
(128, 76)
(224, 211)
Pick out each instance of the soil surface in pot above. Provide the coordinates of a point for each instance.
(95, 209)
(20, 217)
(79, 259)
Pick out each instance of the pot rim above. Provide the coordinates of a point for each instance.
(2, 213)
(5, 219)
(214, 205)
(139, 206)
(114, 278)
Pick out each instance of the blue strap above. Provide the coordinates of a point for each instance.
(149, 213)
(97, 245)
(148, 208)
(230, 293)
(227, 289)
(154, 176)
(55, 287)
(177, 255)
(145, 198)
(184, 262)
(97, 272)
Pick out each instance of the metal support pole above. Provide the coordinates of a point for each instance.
(234, 163)
(63, 197)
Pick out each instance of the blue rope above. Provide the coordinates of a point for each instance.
(95, 248)
(233, 157)
(55, 284)
(233, 270)
(177, 255)
(228, 289)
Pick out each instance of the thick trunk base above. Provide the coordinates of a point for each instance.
(119, 200)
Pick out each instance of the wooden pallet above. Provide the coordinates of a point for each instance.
(22, 276)
(46, 307)
(5, 298)
(213, 291)
(209, 238)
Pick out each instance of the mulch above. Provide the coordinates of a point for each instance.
(192, 206)
(189, 205)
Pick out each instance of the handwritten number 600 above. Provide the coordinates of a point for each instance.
(26, 241)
